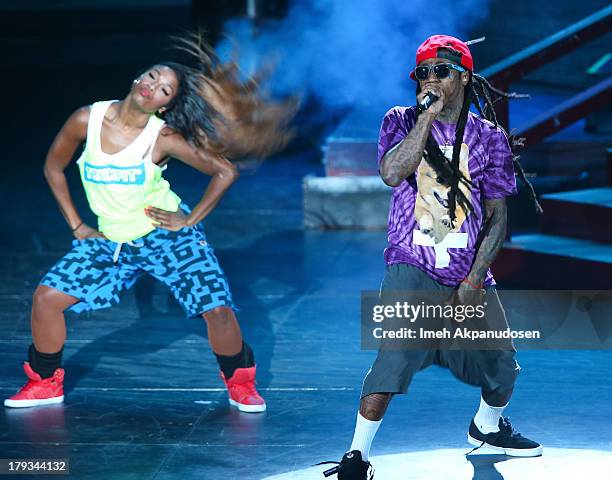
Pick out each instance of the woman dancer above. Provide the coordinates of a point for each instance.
(201, 115)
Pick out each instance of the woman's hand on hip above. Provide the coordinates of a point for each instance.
(172, 221)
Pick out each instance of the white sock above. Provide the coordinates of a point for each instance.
(487, 417)
(364, 434)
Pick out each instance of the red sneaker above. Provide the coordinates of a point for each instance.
(38, 391)
(242, 392)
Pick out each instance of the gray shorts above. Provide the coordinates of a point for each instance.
(393, 370)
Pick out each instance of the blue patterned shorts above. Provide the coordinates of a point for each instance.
(183, 260)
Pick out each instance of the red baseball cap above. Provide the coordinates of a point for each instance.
(430, 49)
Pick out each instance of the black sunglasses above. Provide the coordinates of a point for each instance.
(441, 70)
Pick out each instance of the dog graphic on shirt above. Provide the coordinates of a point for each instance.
(431, 207)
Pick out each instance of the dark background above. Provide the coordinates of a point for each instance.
(144, 399)
(59, 55)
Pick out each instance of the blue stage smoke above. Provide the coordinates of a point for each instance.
(350, 52)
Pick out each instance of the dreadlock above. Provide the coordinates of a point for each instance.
(485, 90)
(449, 173)
(477, 90)
(215, 108)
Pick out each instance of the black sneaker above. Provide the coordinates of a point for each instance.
(507, 440)
(352, 467)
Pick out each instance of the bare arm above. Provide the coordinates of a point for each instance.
(222, 171)
(72, 134)
(402, 160)
(492, 238)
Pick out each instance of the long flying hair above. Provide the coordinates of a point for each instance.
(217, 109)
(477, 90)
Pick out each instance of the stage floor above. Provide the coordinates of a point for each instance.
(144, 397)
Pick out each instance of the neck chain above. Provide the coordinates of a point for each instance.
(448, 142)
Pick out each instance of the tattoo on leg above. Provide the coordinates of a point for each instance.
(374, 406)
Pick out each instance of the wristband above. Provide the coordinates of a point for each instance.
(77, 227)
(475, 287)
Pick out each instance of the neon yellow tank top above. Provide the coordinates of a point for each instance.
(120, 186)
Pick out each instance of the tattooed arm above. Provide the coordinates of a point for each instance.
(402, 160)
(491, 240)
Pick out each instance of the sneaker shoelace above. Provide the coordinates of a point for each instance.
(506, 432)
(30, 385)
(331, 471)
(246, 389)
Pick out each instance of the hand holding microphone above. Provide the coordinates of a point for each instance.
(428, 99)
(432, 102)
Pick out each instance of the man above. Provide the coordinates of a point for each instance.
(450, 171)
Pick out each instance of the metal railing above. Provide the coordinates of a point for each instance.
(567, 112)
(516, 66)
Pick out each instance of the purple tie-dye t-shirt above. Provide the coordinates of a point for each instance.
(419, 226)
